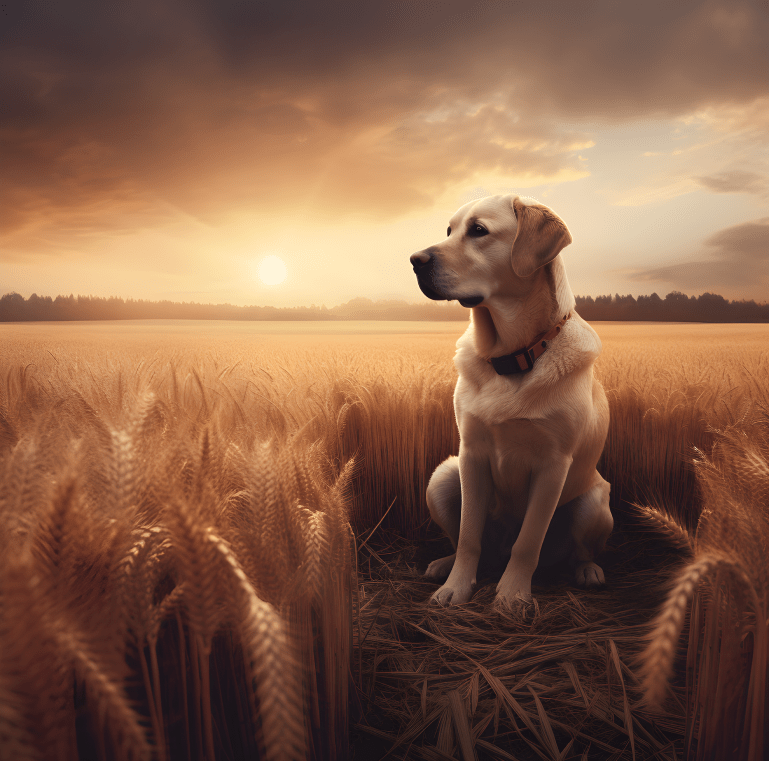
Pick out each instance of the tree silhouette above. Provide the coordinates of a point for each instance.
(675, 307)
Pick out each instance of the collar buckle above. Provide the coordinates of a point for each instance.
(521, 361)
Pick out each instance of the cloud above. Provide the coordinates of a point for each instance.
(736, 181)
(664, 189)
(747, 242)
(739, 263)
(126, 115)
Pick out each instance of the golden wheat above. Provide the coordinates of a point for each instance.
(658, 657)
(113, 496)
(280, 699)
(660, 521)
(175, 524)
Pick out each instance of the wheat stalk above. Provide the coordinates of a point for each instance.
(197, 561)
(657, 658)
(277, 686)
(32, 665)
(16, 738)
(114, 709)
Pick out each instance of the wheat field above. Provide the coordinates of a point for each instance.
(211, 539)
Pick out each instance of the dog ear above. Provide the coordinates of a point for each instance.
(539, 239)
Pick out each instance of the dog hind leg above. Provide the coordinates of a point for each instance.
(444, 500)
(591, 525)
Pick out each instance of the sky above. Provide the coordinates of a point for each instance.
(161, 149)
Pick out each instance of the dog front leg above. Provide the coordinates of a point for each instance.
(477, 491)
(544, 493)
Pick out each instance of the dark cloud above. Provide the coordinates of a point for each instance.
(736, 181)
(208, 106)
(739, 263)
(748, 242)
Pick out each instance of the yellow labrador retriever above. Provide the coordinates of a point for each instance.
(532, 417)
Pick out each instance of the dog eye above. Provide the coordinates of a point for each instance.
(448, 232)
(476, 231)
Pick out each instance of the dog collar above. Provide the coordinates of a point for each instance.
(522, 361)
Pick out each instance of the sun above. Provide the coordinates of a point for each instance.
(271, 270)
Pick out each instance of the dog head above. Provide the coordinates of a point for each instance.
(494, 247)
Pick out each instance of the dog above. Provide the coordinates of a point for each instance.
(532, 416)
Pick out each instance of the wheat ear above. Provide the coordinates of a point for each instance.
(317, 552)
(122, 472)
(35, 704)
(198, 568)
(113, 706)
(657, 658)
(663, 522)
(274, 671)
(50, 543)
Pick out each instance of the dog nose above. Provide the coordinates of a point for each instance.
(420, 260)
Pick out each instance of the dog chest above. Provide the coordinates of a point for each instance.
(513, 450)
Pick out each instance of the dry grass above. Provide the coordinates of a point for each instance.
(178, 579)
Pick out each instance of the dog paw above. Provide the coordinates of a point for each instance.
(519, 605)
(454, 594)
(514, 585)
(589, 575)
(440, 569)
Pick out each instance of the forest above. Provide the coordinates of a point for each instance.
(675, 307)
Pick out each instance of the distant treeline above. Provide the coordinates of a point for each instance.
(675, 307)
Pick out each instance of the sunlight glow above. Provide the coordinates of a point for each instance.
(271, 270)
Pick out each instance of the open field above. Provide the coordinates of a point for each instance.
(175, 512)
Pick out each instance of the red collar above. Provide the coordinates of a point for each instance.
(522, 361)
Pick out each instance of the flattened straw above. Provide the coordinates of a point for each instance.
(461, 726)
(393, 626)
(412, 731)
(502, 691)
(474, 680)
(567, 748)
(544, 722)
(493, 749)
(577, 602)
(569, 668)
(376, 556)
(363, 544)
(445, 735)
(599, 743)
(533, 746)
(369, 602)
(479, 728)
(376, 615)
(628, 715)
